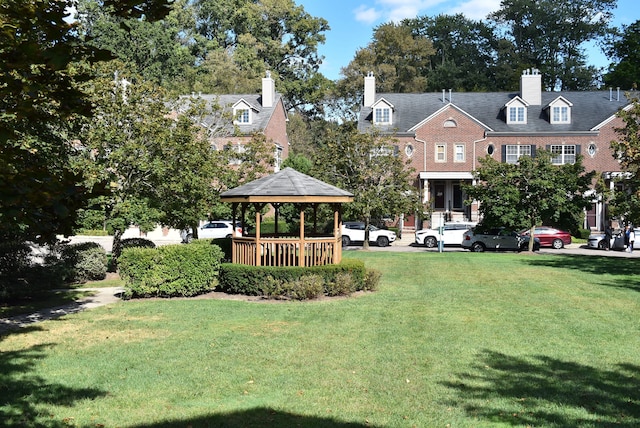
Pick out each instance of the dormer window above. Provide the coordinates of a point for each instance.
(516, 111)
(242, 113)
(559, 111)
(382, 113)
(516, 114)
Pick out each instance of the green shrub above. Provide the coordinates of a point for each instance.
(82, 262)
(372, 280)
(583, 233)
(343, 285)
(171, 270)
(270, 281)
(225, 246)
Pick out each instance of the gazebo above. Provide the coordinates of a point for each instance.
(287, 186)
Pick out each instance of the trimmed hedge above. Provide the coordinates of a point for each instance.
(82, 262)
(297, 282)
(170, 270)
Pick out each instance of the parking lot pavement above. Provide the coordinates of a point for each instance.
(407, 244)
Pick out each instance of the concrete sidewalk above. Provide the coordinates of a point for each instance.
(103, 296)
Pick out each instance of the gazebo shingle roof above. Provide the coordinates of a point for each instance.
(287, 185)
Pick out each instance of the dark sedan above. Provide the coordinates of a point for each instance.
(550, 237)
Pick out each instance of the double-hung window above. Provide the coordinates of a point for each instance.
(560, 114)
(459, 153)
(514, 151)
(563, 154)
(242, 115)
(516, 114)
(383, 115)
(441, 153)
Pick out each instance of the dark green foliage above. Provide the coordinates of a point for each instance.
(225, 246)
(171, 270)
(132, 243)
(303, 288)
(342, 279)
(86, 261)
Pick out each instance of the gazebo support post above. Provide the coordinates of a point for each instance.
(234, 208)
(301, 253)
(337, 251)
(258, 207)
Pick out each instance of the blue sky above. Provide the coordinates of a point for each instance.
(352, 22)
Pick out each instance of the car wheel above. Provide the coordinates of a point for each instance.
(477, 247)
(346, 241)
(557, 244)
(430, 242)
(382, 241)
(228, 236)
(601, 244)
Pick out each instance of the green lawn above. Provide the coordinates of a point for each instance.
(449, 340)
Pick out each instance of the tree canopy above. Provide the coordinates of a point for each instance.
(625, 49)
(368, 165)
(626, 198)
(531, 192)
(43, 68)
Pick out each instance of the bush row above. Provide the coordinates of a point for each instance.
(298, 283)
(171, 270)
(23, 274)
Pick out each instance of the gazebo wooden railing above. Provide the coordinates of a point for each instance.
(287, 251)
(287, 186)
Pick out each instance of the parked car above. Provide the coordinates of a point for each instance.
(451, 234)
(215, 230)
(550, 236)
(479, 240)
(596, 240)
(353, 231)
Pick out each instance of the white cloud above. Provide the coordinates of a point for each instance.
(397, 10)
(368, 15)
(476, 9)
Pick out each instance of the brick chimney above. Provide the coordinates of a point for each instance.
(531, 86)
(268, 91)
(369, 89)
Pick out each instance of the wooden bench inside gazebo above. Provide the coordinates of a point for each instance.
(287, 186)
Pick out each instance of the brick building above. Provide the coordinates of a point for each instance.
(444, 135)
(240, 116)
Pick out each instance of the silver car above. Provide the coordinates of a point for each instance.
(596, 240)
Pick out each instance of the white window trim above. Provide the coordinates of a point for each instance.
(444, 153)
(515, 104)
(565, 158)
(560, 103)
(521, 152)
(463, 152)
(239, 108)
(382, 105)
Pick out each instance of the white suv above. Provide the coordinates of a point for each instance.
(451, 234)
(353, 231)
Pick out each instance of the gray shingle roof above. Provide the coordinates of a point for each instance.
(590, 108)
(287, 183)
(261, 115)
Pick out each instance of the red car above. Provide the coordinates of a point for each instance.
(550, 237)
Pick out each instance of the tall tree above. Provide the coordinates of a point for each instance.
(465, 52)
(531, 192)
(41, 69)
(550, 35)
(625, 50)
(626, 200)
(123, 144)
(398, 57)
(368, 165)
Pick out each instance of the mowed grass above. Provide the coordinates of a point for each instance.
(448, 340)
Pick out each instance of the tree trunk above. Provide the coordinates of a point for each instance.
(365, 244)
(116, 248)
